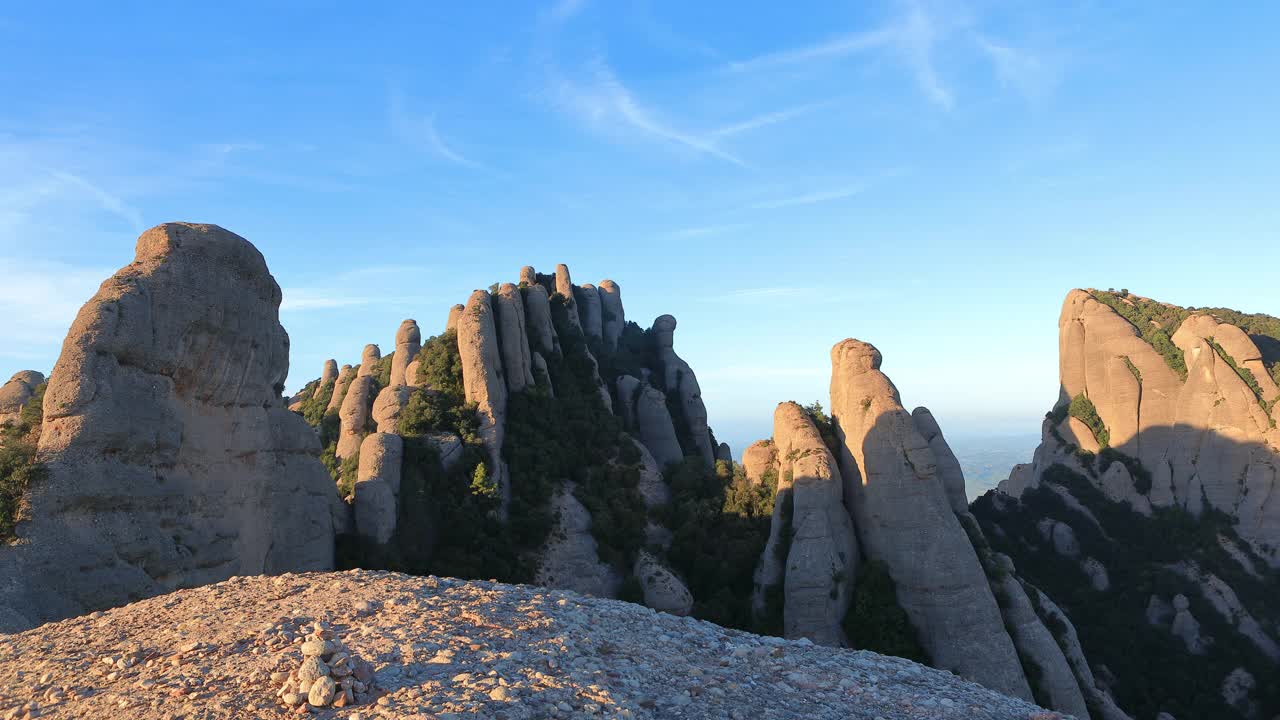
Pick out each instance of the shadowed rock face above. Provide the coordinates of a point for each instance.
(408, 344)
(592, 321)
(680, 380)
(614, 317)
(542, 333)
(15, 393)
(1198, 437)
(483, 381)
(822, 559)
(172, 461)
(644, 408)
(949, 472)
(903, 519)
(517, 363)
(378, 486)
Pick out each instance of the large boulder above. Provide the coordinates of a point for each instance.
(483, 382)
(613, 317)
(171, 459)
(15, 394)
(905, 521)
(517, 363)
(570, 559)
(644, 408)
(408, 344)
(663, 591)
(564, 287)
(822, 559)
(388, 405)
(680, 380)
(455, 312)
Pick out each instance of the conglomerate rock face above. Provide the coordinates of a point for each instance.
(1207, 441)
(483, 380)
(441, 647)
(904, 520)
(172, 461)
(408, 343)
(15, 394)
(681, 381)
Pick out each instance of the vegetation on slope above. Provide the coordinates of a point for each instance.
(1138, 552)
(1155, 322)
(18, 466)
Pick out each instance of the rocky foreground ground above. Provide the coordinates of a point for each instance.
(445, 648)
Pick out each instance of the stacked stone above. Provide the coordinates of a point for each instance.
(329, 676)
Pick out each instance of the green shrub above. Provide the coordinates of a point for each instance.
(1244, 373)
(1155, 322)
(314, 408)
(18, 467)
(1082, 409)
(875, 621)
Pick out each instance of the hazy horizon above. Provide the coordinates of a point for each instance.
(931, 177)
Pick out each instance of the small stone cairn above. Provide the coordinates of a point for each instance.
(329, 676)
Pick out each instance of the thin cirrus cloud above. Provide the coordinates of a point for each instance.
(912, 36)
(421, 133)
(766, 119)
(812, 198)
(604, 102)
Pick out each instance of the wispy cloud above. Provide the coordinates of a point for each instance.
(689, 233)
(1019, 69)
(811, 198)
(421, 133)
(107, 201)
(304, 299)
(563, 10)
(766, 119)
(604, 102)
(911, 35)
(38, 301)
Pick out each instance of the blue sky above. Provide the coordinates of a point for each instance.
(928, 176)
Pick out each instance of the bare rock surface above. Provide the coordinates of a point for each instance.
(378, 486)
(759, 457)
(644, 408)
(171, 459)
(455, 312)
(904, 519)
(509, 320)
(408, 344)
(592, 320)
(328, 374)
(340, 387)
(570, 559)
(355, 415)
(949, 472)
(614, 317)
(680, 380)
(369, 360)
(483, 381)
(537, 309)
(442, 648)
(388, 405)
(663, 591)
(15, 393)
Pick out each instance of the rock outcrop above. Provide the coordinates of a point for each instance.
(904, 520)
(822, 557)
(644, 409)
(613, 316)
(564, 287)
(455, 312)
(680, 380)
(570, 560)
(369, 360)
(948, 467)
(408, 344)
(434, 641)
(355, 415)
(15, 393)
(328, 374)
(172, 461)
(592, 320)
(663, 591)
(378, 486)
(509, 320)
(387, 407)
(340, 387)
(759, 457)
(483, 381)
(542, 333)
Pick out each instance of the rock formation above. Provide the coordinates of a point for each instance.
(340, 386)
(369, 360)
(821, 560)
(408, 343)
(327, 375)
(564, 287)
(483, 381)
(388, 406)
(455, 312)
(172, 461)
(15, 393)
(663, 591)
(592, 320)
(949, 471)
(680, 380)
(537, 308)
(355, 415)
(570, 560)
(508, 307)
(644, 409)
(904, 520)
(759, 457)
(613, 317)
(378, 486)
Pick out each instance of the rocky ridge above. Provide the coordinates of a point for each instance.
(442, 648)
